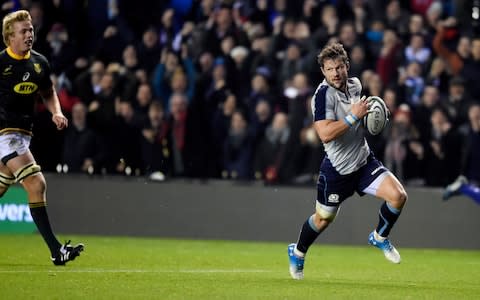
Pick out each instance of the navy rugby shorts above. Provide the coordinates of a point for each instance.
(333, 188)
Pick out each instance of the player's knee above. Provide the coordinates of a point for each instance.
(35, 184)
(399, 198)
(324, 214)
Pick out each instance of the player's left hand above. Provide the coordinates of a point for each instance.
(360, 108)
(60, 121)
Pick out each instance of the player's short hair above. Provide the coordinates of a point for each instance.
(332, 51)
(10, 19)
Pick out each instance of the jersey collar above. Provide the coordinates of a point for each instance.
(16, 56)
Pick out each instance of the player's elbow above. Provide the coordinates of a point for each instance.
(325, 135)
(326, 138)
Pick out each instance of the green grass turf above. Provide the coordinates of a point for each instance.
(126, 268)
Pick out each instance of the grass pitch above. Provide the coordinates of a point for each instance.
(126, 268)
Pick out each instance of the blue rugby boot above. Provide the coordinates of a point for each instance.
(388, 249)
(296, 263)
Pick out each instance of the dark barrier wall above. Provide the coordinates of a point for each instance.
(235, 211)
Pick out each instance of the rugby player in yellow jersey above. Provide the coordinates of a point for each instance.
(25, 76)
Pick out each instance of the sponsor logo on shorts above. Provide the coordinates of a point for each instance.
(333, 198)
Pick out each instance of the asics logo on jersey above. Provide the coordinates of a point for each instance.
(26, 76)
(333, 198)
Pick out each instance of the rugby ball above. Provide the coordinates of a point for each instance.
(377, 118)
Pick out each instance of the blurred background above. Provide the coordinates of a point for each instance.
(221, 89)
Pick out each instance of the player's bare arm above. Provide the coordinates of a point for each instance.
(329, 130)
(52, 103)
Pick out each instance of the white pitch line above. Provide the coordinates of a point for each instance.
(135, 271)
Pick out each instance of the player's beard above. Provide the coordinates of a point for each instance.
(338, 84)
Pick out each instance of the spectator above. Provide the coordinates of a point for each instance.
(125, 152)
(222, 25)
(220, 126)
(217, 91)
(416, 25)
(87, 84)
(142, 105)
(272, 157)
(291, 64)
(457, 102)
(374, 86)
(404, 153)
(437, 75)
(442, 152)
(111, 46)
(188, 152)
(471, 70)
(237, 149)
(422, 113)
(283, 35)
(240, 71)
(328, 27)
(412, 83)
(149, 50)
(390, 54)
(396, 18)
(347, 35)
(417, 51)
(167, 31)
(83, 150)
(260, 90)
(61, 51)
(374, 36)
(455, 59)
(260, 120)
(101, 109)
(174, 74)
(156, 144)
(358, 61)
(468, 183)
(260, 55)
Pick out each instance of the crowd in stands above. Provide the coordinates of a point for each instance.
(221, 89)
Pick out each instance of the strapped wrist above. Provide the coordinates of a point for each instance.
(350, 119)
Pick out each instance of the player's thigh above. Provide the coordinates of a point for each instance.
(391, 190)
(20, 161)
(332, 190)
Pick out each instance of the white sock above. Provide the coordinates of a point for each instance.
(298, 253)
(378, 237)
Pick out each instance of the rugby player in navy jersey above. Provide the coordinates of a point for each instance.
(349, 165)
(24, 77)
